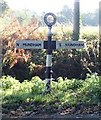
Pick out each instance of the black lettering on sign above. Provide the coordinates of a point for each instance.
(82, 44)
(79, 44)
(59, 44)
(66, 44)
(32, 44)
(17, 44)
(73, 44)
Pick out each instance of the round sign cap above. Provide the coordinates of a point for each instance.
(50, 19)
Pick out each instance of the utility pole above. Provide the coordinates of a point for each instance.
(76, 20)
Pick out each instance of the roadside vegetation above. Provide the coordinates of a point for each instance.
(25, 64)
(64, 93)
(76, 87)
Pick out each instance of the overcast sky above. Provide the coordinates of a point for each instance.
(51, 5)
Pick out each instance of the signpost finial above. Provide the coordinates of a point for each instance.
(50, 19)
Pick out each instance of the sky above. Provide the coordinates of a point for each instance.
(40, 6)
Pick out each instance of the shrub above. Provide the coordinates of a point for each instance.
(64, 91)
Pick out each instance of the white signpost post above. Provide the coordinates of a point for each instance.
(49, 45)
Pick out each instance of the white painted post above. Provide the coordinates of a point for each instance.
(50, 20)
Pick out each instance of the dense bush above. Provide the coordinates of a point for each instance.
(66, 63)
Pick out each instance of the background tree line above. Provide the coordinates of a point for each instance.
(65, 16)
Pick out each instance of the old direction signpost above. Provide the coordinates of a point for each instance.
(69, 44)
(36, 44)
(29, 44)
(49, 45)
